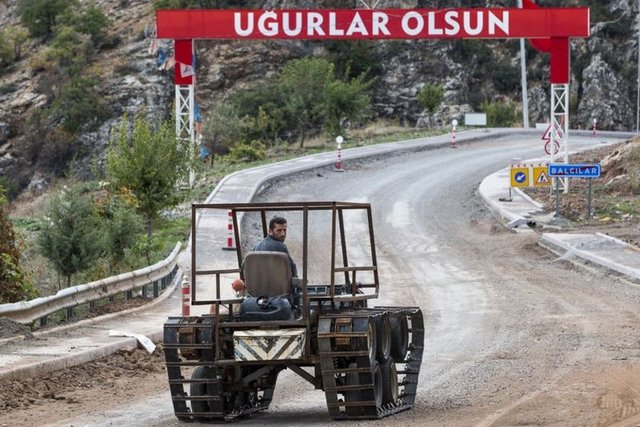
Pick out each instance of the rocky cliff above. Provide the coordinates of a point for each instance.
(603, 86)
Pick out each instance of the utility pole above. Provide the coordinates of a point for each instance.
(523, 78)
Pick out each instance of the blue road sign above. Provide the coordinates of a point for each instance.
(520, 177)
(564, 170)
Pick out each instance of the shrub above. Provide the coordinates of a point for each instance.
(247, 152)
(91, 21)
(149, 162)
(430, 97)
(122, 226)
(505, 77)
(354, 58)
(70, 51)
(71, 238)
(500, 114)
(14, 282)
(41, 16)
(79, 105)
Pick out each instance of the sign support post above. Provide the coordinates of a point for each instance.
(589, 200)
(565, 171)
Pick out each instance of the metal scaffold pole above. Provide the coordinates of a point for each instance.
(185, 105)
(560, 126)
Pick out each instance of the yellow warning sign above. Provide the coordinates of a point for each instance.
(520, 176)
(541, 177)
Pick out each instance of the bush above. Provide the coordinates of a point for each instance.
(91, 21)
(430, 97)
(247, 152)
(500, 114)
(71, 238)
(149, 162)
(122, 226)
(41, 16)
(353, 58)
(70, 51)
(8, 88)
(79, 105)
(6, 55)
(505, 77)
(14, 282)
(263, 112)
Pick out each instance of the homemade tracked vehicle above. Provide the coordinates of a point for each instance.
(225, 364)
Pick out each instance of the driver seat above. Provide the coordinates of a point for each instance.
(267, 276)
(268, 273)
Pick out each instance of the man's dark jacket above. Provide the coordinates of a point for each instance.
(272, 244)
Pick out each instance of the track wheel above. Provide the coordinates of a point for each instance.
(353, 395)
(399, 336)
(199, 389)
(383, 337)
(389, 382)
(370, 343)
(376, 380)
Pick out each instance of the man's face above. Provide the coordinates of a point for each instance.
(279, 232)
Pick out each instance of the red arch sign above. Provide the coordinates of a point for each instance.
(548, 27)
(373, 23)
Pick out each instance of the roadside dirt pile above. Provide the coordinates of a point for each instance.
(10, 328)
(614, 194)
(621, 169)
(64, 385)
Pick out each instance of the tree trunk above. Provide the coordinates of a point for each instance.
(303, 136)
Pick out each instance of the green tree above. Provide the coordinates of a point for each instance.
(70, 51)
(149, 162)
(91, 21)
(79, 105)
(346, 100)
(41, 16)
(430, 96)
(14, 282)
(223, 128)
(16, 37)
(6, 55)
(122, 226)
(71, 238)
(505, 77)
(352, 58)
(303, 83)
(262, 108)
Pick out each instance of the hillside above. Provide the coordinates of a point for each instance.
(35, 147)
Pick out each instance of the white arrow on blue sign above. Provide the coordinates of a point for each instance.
(567, 170)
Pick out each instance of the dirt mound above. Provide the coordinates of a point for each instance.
(614, 195)
(10, 328)
(621, 169)
(64, 384)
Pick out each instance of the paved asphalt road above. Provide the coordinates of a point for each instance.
(437, 249)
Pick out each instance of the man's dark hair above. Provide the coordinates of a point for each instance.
(276, 220)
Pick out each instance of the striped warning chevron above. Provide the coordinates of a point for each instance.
(279, 344)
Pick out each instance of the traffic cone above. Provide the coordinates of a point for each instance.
(186, 296)
(230, 246)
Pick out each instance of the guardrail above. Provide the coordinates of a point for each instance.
(159, 274)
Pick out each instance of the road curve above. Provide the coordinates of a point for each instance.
(514, 336)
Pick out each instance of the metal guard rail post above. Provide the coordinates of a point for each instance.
(27, 312)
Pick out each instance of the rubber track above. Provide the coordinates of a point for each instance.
(334, 380)
(175, 364)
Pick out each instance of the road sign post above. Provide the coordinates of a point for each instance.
(568, 170)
